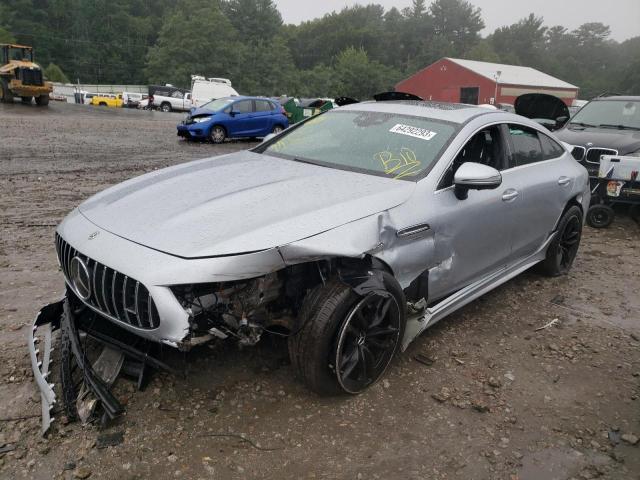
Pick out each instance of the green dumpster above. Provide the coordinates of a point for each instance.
(305, 108)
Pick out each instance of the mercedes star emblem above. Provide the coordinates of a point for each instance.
(80, 279)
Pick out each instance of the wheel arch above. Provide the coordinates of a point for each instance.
(358, 273)
(573, 202)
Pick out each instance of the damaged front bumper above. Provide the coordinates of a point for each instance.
(96, 381)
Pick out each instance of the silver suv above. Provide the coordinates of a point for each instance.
(350, 234)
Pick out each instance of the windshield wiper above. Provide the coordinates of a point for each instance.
(619, 127)
(581, 124)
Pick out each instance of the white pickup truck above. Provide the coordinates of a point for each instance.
(169, 98)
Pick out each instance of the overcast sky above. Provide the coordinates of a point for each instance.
(623, 16)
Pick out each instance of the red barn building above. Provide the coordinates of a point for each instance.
(467, 81)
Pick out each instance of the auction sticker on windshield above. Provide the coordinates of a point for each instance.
(415, 132)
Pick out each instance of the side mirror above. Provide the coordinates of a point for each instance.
(475, 176)
(560, 121)
(232, 113)
(268, 137)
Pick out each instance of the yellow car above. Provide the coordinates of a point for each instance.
(108, 100)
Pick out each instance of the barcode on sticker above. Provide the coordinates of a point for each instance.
(416, 132)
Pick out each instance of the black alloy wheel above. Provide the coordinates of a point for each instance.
(563, 249)
(569, 242)
(367, 341)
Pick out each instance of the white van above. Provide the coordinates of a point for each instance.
(204, 90)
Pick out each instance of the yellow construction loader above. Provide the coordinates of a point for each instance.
(20, 76)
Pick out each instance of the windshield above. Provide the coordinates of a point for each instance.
(219, 104)
(385, 144)
(612, 114)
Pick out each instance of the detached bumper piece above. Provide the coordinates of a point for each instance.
(99, 387)
(86, 384)
(40, 348)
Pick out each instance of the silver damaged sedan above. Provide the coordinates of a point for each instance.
(349, 234)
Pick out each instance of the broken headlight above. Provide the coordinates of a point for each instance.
(230, 308)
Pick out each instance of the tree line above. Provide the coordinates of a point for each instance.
(355, 52)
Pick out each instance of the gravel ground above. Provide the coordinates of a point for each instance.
(495, 398)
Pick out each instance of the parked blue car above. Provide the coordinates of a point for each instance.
(234, 117)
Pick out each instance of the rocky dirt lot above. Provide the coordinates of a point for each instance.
(492, 397)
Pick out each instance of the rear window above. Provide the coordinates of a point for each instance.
(385, 144)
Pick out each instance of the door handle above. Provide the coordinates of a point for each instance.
(509, 195)
(564, 181)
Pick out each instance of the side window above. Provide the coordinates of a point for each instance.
(550, 148)
(484, 147)
(177, 94)
(526, 145)
(263, 106)
(245, 106)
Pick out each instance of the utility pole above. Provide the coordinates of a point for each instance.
(497, 77)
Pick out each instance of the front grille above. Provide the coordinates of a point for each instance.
(112, 293)
(578, 153)
(31, 77)
(594, 154)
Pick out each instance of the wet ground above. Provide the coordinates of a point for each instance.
(496, 398)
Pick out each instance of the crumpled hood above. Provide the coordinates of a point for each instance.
(237, 203)
(194, 112)
(624, 141)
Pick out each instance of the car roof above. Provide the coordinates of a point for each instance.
(450, 112)
(246, 97)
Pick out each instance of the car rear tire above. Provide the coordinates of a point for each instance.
(42, 100)
(344, 342)
(564, 247)
(218, 134)
(165, 107)
(600, 216)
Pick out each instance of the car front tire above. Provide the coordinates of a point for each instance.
(218, 134)
(344, 342)
(277, 129)
(564, 247)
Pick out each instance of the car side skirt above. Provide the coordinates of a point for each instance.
(418, 323)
